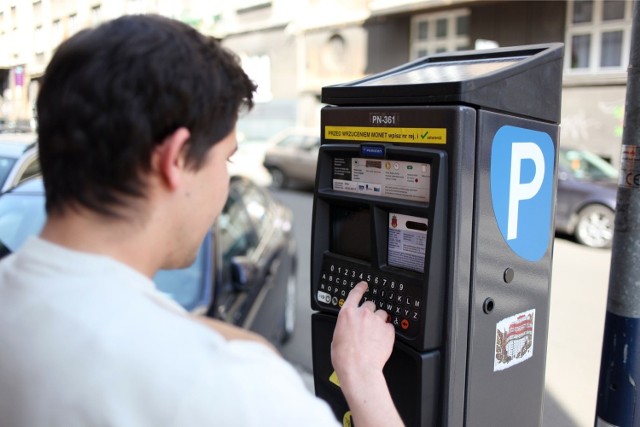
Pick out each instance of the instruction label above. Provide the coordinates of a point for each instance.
(407, 241)
(386, 134)
(514, 340)
(389, 178)
(629, 167)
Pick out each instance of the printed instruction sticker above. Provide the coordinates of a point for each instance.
(630, 167)
(514, 340)
(407, 241)
(389, 178)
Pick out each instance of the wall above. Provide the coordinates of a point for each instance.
(388, 42)
(592, 118)
(277, 111)
(513, 23)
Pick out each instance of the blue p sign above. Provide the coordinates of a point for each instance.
(522, 165)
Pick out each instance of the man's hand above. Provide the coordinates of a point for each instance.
(362, 344)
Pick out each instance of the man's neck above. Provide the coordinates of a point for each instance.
(85, 231)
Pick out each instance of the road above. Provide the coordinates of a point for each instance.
(578, 305)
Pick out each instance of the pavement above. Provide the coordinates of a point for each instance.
(553, 414)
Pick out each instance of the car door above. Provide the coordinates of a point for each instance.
(570, 192)
(252, 282)
(275, 255)
(236, 241)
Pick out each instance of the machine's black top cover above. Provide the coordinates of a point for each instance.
(523, 80)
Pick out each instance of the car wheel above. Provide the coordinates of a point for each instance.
(278, 178)
(595, 226)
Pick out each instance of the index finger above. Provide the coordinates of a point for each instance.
(356, 294)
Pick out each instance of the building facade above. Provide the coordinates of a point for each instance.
(292, 48)
(30, 30)
(331, 41)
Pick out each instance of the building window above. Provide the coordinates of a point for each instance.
(242, 6)
(14, 18)
(439, 32)
(37, 11)
(57, 32)
(96, 15)
(598, 36)
(38, 39)
(40, 59)
(72, 24)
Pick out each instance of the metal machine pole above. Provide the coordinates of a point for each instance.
(620, 364)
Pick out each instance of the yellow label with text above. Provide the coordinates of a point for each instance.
(386, 134)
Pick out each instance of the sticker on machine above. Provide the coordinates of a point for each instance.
(514, 340)
(407, 241)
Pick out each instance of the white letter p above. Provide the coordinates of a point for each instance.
(519, 191)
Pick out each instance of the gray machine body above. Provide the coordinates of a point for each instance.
(472, 314)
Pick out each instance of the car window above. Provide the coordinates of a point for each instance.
(32, 169)
(6, 164)
(21, 216)
(587, 166)
(237, 233)
(258, 209)
(312, 142)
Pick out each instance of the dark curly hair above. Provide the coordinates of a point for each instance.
(111, 94)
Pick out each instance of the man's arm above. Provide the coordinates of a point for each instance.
(362, 344)
(230, 332)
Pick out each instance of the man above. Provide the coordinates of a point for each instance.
(136, 123)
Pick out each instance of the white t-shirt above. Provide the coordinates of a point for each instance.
(88, 341)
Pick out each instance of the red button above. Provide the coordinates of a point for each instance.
(404, 324)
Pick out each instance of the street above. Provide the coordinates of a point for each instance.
(578, 305)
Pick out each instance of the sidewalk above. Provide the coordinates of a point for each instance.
(553, 414)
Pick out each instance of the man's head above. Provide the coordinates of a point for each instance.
(112, 94)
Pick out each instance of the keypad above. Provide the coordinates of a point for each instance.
(399, 297)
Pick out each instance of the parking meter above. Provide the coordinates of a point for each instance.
(435, 184)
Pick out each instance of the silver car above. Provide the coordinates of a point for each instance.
(586, 203)
(292, 156)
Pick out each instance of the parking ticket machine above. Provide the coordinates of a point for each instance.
(435, 184)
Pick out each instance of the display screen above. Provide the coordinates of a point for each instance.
(351, 232)
(443, 72)
(407, 241)
(376, 177)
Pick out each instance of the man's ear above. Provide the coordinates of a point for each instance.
(168, 158)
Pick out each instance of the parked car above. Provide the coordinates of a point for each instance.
(245, 269)
(586, 200)
(291, 156)
(18, 158)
